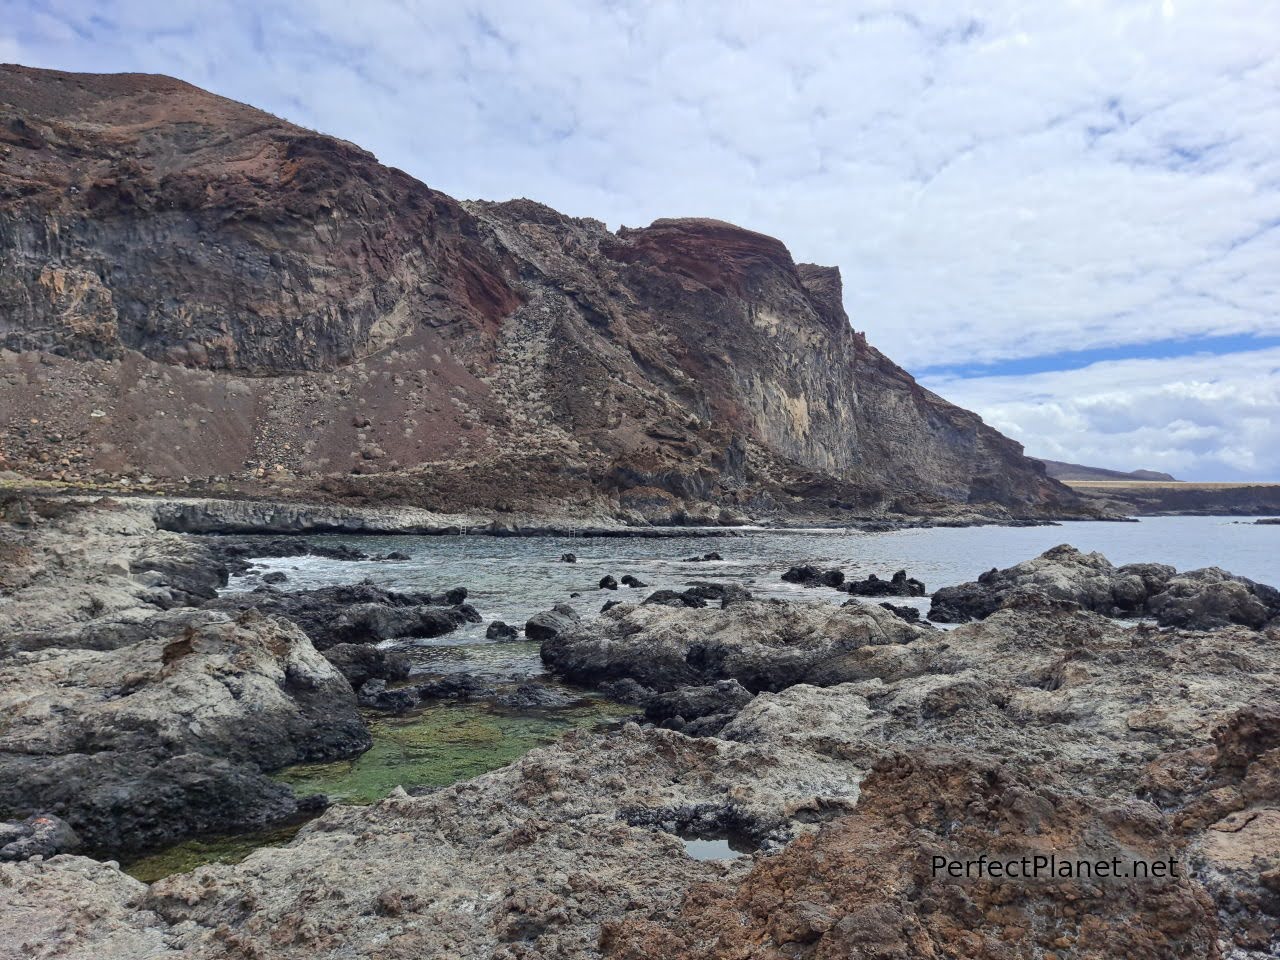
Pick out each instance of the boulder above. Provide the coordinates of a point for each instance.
(629, 581)
(39, 835)
(812, 576)
(763, 645)
(608, 583)
(551, 623)
(497, 630)
(376, 696)
(1210, 598)
(360, 662)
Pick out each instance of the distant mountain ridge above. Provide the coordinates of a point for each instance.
(192, 288)
(1060, 470)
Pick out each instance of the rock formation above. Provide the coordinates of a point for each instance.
(191, 288)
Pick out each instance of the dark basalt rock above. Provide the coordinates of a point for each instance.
(1198, 599)
(497, 630)
(359, 613)
(726, 593)
(534, 696)
(909, 614)
(629, 581)
(551, 623)
(375, 695)
(706, 557)
(568, 558)
(608, 583)
(609, 605)
(39, 835)
(670, 598)
(275, 576)
(698, 711)
(812, 576)
(397, 555)
(899, 586)
(360, 662)
(457, 686)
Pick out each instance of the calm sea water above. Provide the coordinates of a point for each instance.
(512, 578)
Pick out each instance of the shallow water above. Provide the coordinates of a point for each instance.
(511, 578)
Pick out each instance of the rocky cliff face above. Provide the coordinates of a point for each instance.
(193, 288)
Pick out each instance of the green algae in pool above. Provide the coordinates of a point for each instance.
(189, 854)
(427, 748)
(441, 745)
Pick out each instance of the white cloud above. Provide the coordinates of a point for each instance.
(1197, 417)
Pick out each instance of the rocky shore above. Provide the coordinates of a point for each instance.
(1082, 709)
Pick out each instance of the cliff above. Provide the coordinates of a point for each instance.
(191, 288)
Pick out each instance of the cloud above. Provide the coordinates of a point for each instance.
(1198, 417)
(997, 180)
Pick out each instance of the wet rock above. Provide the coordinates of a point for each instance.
(812, 576)
(275, 576)
(609, 605)
(534, 696)
(899, 586)
(359, 662)
(39, 835)
(568, 558)
(396, 555)
(629, 581)
(497, 630)
(551, 623)
(376, 696)
(608, 583)
(705, 558)
(456, 686)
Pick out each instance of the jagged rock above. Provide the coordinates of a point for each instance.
(899, 586)
(551, 623)
(275, 576)
(629, 581)
(359, 613)
(1201, 599)
(497, 630)
(359, 662)
(698, 711)
(762, 645)
(568, 558)
(1209, 598)
(609, 605)
(672, 598)
(608, 583)
(812, 576)
(39, 835)
(909, 614)
(166, 737)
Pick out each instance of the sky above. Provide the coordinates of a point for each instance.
(1063, 214)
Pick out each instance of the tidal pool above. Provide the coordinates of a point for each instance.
(431, 747)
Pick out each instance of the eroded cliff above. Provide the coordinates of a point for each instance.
(191, 288)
